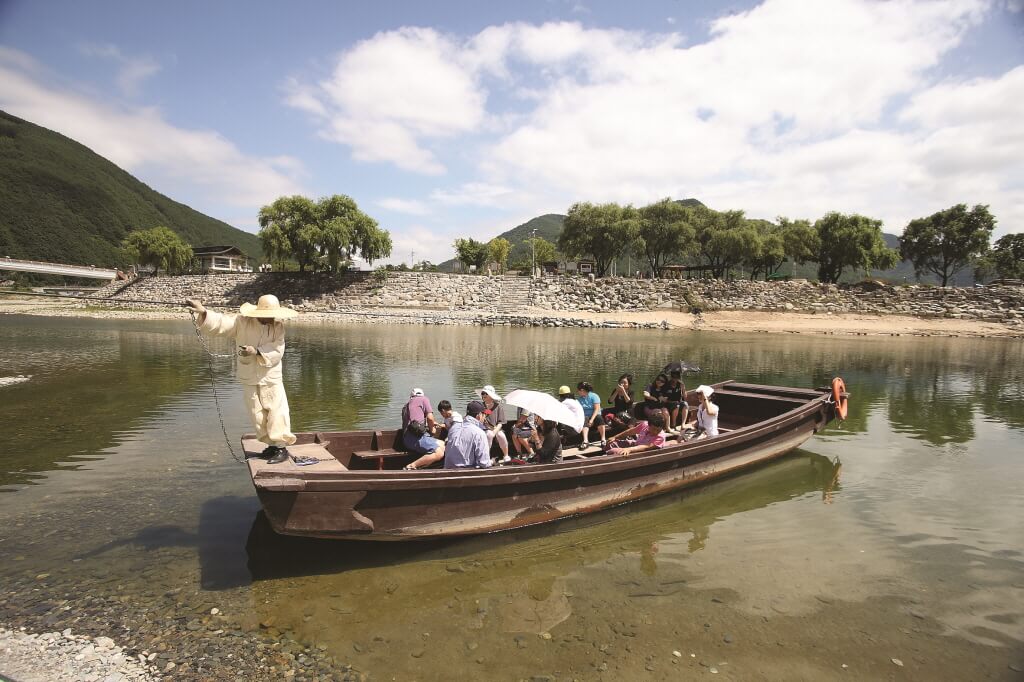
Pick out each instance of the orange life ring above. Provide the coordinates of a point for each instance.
(839, 397)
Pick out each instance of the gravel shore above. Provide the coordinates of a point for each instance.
(53, 656)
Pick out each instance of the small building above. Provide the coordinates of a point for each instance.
(221, 259)
(586, 267)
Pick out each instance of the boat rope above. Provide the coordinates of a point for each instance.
(213, 383)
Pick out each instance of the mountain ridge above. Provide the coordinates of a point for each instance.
(62, 202)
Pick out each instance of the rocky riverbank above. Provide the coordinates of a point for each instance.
(48, 656)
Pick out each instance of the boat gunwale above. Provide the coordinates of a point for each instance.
(351, 480)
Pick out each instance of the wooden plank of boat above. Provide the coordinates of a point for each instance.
(341, 500)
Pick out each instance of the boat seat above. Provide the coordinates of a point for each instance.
(381, 455)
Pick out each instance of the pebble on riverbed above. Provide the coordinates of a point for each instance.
(65, 656)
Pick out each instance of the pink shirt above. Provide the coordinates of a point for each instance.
(644, 437)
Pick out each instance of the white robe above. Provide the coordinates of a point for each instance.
(260, 375)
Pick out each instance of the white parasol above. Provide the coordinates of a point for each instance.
(546, 406)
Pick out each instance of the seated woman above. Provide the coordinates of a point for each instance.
(622, 396)
(675, 401)
(590, 401)
(656, 397)
(523, 432)
(549, 442)
(494, 421)
(706, 422)
(650, 435)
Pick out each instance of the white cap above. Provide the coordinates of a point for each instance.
(705, 390)
(416, 392)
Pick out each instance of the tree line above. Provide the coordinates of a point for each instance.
(320, 235)
(670, 232)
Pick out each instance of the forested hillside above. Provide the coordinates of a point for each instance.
(60, 201)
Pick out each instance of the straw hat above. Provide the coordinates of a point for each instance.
(267, 306)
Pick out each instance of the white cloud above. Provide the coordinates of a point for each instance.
(408, 206)
(197, 163)
(389, 94)
(132, 70)
(472, 193)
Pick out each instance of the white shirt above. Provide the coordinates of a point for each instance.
(268, 339)
(453, 418)
(707, 419)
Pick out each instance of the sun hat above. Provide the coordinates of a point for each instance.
(415, 392)
(489, 390)
(564, 390)
(267, 306)
(474, 407)
(704, 390)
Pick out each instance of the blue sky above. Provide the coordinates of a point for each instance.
(450, 119)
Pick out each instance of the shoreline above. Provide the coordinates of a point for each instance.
(746, 321)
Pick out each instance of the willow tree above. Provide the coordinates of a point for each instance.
(850, 241)
(664, 232)
(603, 231)
(331, 231)
(159, 247)
(948, 241)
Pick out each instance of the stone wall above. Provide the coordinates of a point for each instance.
(514, 295)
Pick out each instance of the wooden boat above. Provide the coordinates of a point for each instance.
(358, 489)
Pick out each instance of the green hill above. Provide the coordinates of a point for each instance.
(62, 202)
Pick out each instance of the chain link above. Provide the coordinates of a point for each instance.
(213, 383)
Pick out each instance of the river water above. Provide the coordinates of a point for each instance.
(895, 535)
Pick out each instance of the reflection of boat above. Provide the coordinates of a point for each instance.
(359, 491)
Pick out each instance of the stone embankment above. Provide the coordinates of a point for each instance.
(441, 298)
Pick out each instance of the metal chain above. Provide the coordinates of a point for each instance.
(213, 384)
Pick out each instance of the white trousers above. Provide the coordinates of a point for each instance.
(268, 408)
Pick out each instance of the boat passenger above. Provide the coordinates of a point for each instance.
(650, 435)
(622, 396)
(523, 433)
(655, 397)
(549, 450)
(449, 417)
(494, 413)
(591, 403)
(565, 396)
(706, 422)
(417, 426)
(259, 332)
(675, 403)
(467, 445)
(617, 423)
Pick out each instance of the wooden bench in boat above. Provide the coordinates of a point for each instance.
(380, 455)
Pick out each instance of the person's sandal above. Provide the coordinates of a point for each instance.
(409, 467)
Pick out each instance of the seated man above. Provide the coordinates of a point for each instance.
(650, 435)
(417, 425)
(706, 422)
(467, 445)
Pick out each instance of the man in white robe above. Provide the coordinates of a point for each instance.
(259, 332)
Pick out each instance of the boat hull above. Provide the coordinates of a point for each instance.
(388, 504)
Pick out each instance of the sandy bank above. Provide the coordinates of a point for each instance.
(849, 324)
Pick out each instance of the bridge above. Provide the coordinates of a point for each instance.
(38, 267)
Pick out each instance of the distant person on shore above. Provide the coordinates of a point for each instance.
(418, 424)
(706, 422)
(467, 446)
(591, 403)
(259, 332)
(494, 419)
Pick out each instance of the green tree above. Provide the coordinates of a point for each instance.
(470, 252)
(766, 250)
(800, 240)
(603, 231)
(160, 248)
(293, 227)
(850, 241)
(331, 232)
(1007, 256)
(946, 242)
(720, 238)
(665, 231)
(497, 252)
